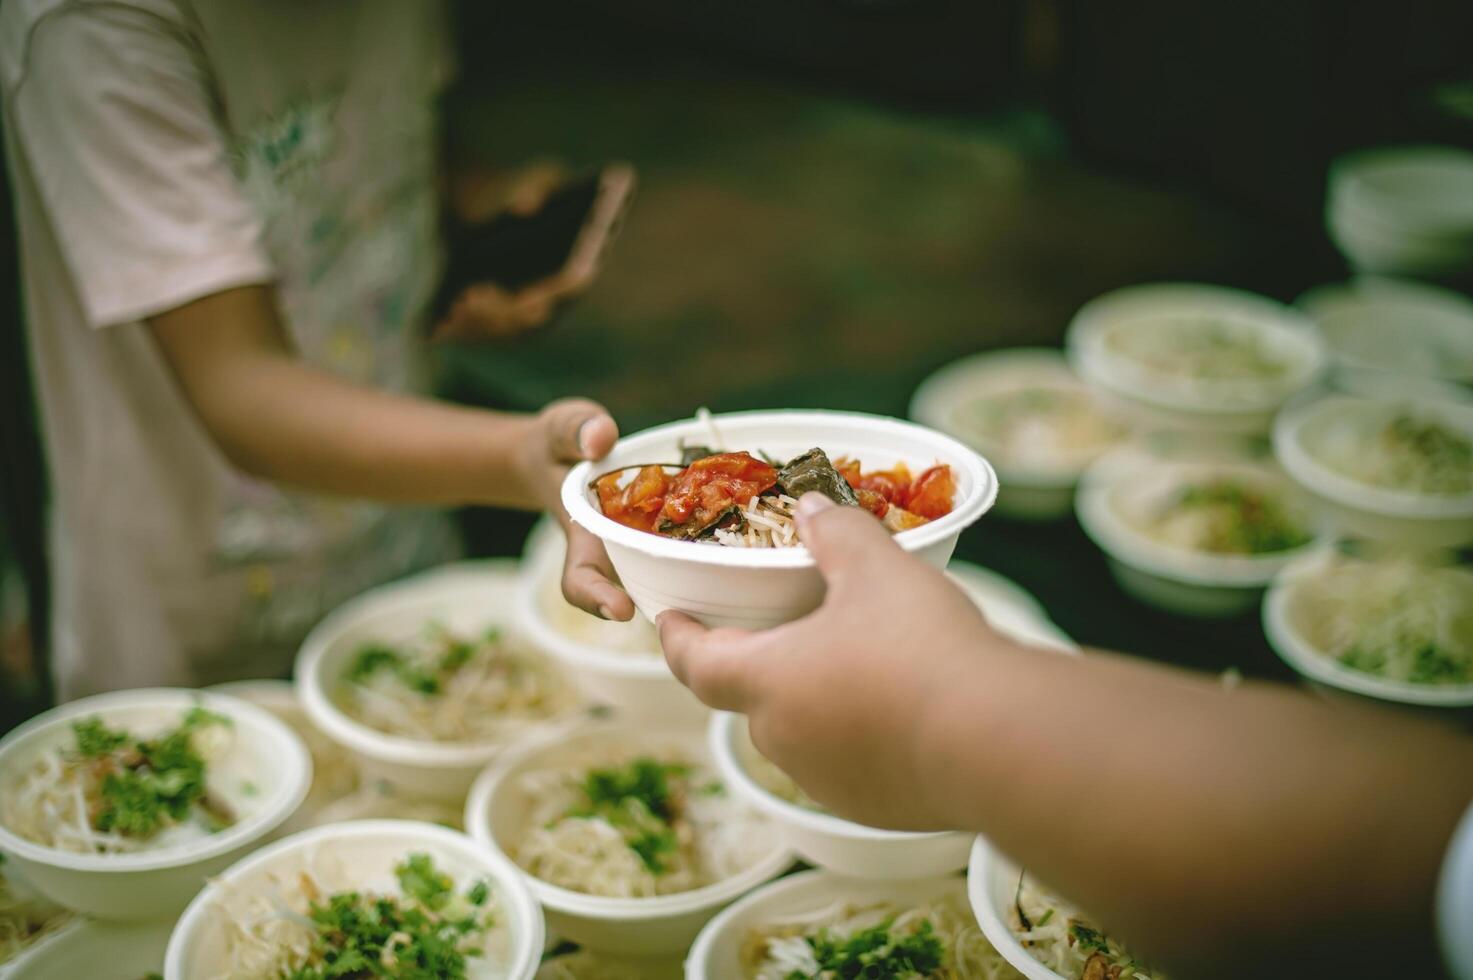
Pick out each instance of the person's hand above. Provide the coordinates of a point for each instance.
(485, 310)
(838, 699)
(564, 433)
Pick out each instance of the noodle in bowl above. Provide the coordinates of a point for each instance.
(251, 923)
(771, 933)
(119, 856)
(627, 838)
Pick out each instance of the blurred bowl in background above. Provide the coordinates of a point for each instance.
(1403, 210)
(1183, 356)
(1349, 452)
(1165, 525)
(756, 588)
(1377, 329)
(1326, 599)
(466, 598)
(617, 664)
(1027, 412)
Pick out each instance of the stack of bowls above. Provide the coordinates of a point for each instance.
(1403, 210)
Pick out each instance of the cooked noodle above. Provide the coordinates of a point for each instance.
(25, 919)
(1057, 935)
(794, 948)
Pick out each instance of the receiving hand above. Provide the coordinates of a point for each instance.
(564, 433)
(841, 699)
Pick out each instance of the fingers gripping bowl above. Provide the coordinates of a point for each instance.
(761, 587)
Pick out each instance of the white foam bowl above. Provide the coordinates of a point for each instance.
(823, 839)
(1041, 489)
(94, 950)
(1403, 209)
(760, 587)
(992, 882)
(1323, 671)
(367, 851)
(717, 953)
(154, 883)
(496, 816)
(1156, 400)
(468, 597)
(1414, 520)
(1175, 579)
(617, 664)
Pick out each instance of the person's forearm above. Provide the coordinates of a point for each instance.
(1190, 817)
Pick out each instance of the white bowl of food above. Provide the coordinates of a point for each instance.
(94, 949)
(1032, 417)
(699, 534)
(1390, 628)
(27, 917)
(573, 962)
(1403, 209)
(1043, 936)
(122, 804)
(613, 663)
(426, 681)
(1375, 328)
(1194, 357)
(467, 911)
(816, 835)
(773, 931)
(1395, 470)
(626, 835)
(1200, 537)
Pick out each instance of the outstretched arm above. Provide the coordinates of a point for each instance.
(1224, 833)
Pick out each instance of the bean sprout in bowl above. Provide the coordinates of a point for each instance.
(1393, 628)
(1398, 470)
(614, 663)
(1180, 355)
(775, 932)
(298, 904)
(1041, 934)
(1032, 417)
(757, 587)
(818, 836)
(120, 805)
(627, 836)
(426, 681)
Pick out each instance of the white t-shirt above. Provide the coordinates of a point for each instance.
(1455, 902)
(163, 150)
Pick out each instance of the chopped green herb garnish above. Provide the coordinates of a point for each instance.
(875, 953)
(1086, 937)
(636, 800)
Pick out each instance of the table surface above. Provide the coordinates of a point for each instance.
(791, 249)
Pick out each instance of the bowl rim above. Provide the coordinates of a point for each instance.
(1118, 540)
(983, 865)
(721, 734)
(700, 950)
(506, 878)
(939, 390)
(1084, 341)
(85, 928)
(603, 907)
(1353, 494)
(963, 514)
(312, 688)
(577, 655)
(1294, 649)
(291, 755)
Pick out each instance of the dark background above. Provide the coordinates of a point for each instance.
(839, 196)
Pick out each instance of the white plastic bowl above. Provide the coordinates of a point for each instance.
(1325, 672)
(1033, 490)
(603, 658)
(761, 587)
(717, 952)
(1414, 520)
(1406, 209)
(150, 884)
(366, 851)
(496, 816)
(1174, 579)
(467, 597)
(1156, 400)
(94, 950)
(992, 882)
(825, 840)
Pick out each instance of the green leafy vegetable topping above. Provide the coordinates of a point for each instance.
(637, 800)
(875, 953)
